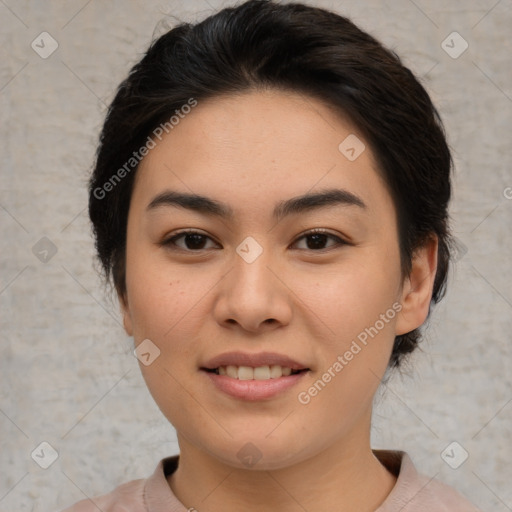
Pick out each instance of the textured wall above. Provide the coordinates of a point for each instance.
(68, 375)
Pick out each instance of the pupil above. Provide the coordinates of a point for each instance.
(319, 240)
(196, 241)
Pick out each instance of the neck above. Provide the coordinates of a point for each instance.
(346, 477)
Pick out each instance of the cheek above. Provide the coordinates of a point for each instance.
(169, 305)
(165, 307)
(353, 296)
(340, 392)
(359, 305)
(161, 296)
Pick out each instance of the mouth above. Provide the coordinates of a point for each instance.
(253, 377)
(265, 372)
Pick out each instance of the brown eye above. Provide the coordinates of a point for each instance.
(316, 240)
(193, 241)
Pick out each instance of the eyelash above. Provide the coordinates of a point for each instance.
(170, 242)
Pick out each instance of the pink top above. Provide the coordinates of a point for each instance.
(412, 492)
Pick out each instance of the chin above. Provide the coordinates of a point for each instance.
(261, 453)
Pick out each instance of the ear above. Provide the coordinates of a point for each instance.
(125, 311)
(417, 288)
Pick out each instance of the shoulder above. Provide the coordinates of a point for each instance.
(139, 495)
(434, 494)
(414, 492)
(128, 497)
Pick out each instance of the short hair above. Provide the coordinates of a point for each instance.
(258, 45)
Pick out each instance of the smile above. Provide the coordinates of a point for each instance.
(248, 387)
(274, 371)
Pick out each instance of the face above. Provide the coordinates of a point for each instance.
(259, 288)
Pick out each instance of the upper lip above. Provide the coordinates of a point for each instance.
(253, 360)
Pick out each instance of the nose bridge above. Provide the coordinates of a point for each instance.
(251, 266)
(250, 250)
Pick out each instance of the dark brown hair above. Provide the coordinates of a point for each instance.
(295, 47)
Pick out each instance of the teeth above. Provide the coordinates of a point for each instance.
(245, 373)
(232, 371)
(260, 373)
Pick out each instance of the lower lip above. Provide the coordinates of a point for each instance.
(254, 389)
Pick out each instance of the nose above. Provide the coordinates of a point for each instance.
(253, 296)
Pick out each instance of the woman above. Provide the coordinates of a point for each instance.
(270, 199)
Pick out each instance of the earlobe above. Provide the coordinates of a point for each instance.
(418, 287)
(125, 311)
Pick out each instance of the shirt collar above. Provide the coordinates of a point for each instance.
(159, 497)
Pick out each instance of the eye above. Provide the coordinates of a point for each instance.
(318, 237)
(194, 241)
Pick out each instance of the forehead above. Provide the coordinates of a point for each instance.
(256, 148)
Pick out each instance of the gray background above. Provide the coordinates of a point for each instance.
(68, 374)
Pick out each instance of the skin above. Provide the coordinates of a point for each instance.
(251, 151)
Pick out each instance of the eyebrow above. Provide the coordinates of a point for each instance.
(295, 205)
